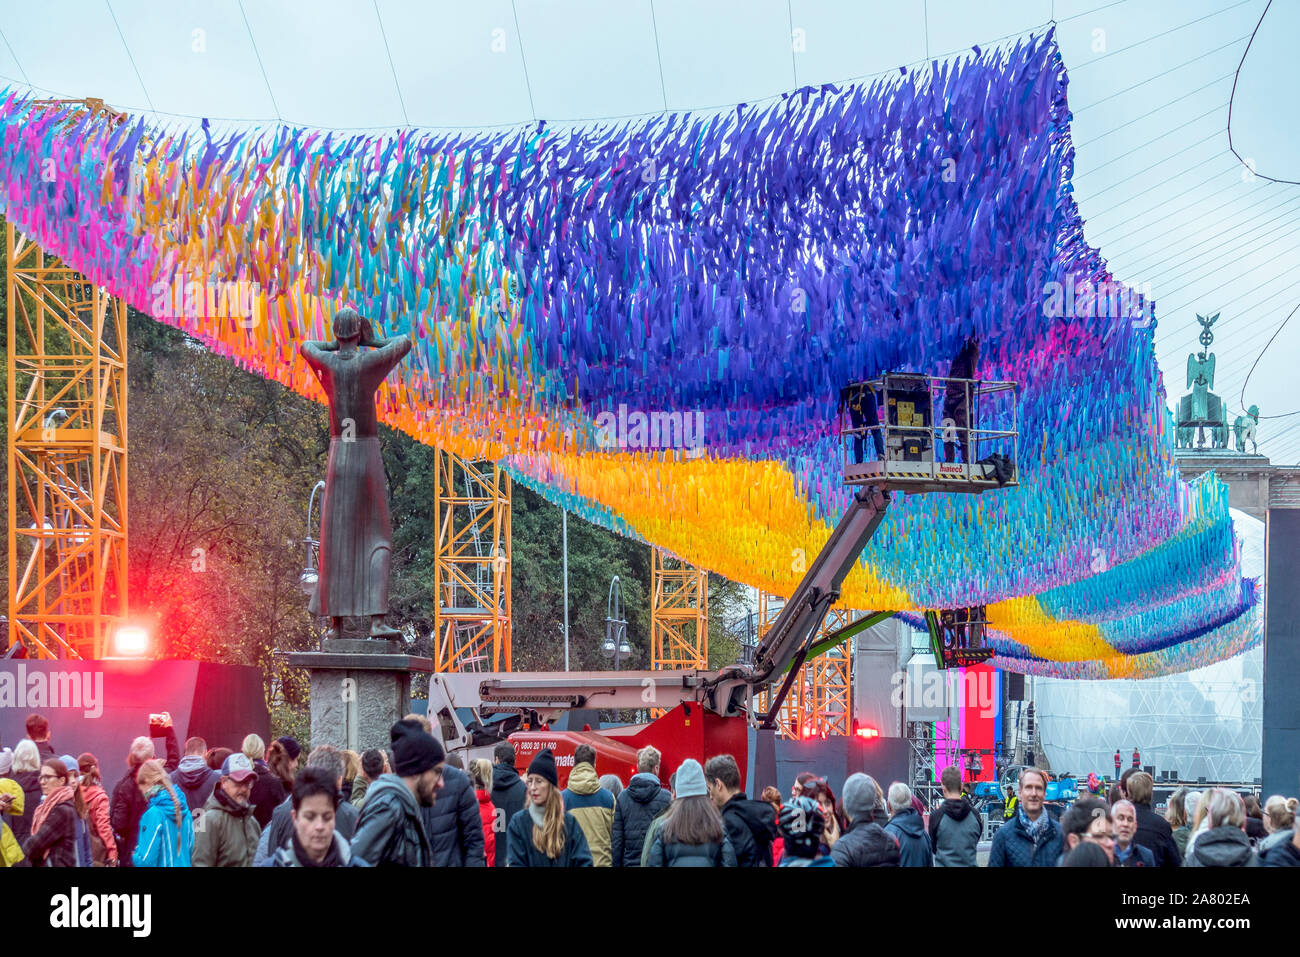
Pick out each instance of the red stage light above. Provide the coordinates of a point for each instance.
(130, 641)
(868, 733)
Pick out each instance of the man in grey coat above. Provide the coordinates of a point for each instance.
(955, 826)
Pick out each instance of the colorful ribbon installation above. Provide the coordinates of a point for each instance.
(650, 325)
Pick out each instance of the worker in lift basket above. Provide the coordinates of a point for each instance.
(956, 400)
(860, 399)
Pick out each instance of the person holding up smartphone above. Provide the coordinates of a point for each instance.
(129, 803)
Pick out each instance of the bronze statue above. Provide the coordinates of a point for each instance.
(356, 540)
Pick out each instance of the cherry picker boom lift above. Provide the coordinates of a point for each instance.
(710, 711)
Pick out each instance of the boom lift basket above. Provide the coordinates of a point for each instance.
(937, 434)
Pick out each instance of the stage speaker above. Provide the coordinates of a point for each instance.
(1015, 686)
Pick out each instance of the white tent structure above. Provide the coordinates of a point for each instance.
(1202, 723)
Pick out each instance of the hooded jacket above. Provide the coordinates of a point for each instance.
(276, 834)
(508, 794)
(1155, 834)
(524, 853)
(1281, 854)
(19, 804)
(128, 806)
(751, 828)
(592, 806)
(643, 800)
(452, 824)
(227, 833)
(1277, 837)
(158, 845)
(196, 780)
(955, 829)
(1224, 846)
(390, 829)
(287, 856)
(913, 843)
(866, 844)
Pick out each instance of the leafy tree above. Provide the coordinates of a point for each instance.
(222, 463)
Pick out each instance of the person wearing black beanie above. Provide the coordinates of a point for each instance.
(544, 766)
(390, 829)
(544, 834)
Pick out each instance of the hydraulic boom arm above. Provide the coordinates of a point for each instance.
(726, 692)
(786, 642)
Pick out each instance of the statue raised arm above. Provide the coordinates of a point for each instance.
(356, 542)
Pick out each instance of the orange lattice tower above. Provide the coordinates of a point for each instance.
(67, 460)
(472, 616)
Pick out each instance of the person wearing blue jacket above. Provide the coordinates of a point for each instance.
(544, 834)
(1032, 837)
(907, 828)
(167, 828)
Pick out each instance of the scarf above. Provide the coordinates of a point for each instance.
(230, 804)
(332, 858)
(538, 813)
(58, 796)
(1034, 829)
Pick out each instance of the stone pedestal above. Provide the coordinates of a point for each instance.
(359, 688)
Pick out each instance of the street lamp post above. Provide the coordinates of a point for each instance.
(615, 645)
(311, 573)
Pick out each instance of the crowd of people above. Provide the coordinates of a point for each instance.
(414, 805)
(1216, 827)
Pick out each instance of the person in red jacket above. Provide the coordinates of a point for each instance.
(481, 773)
(103, 847)
(1137, 760)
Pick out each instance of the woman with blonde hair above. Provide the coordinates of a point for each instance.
(53, 840)
(544, 834)
(351, 770)
(269, 790)
(480, 772)
(1221, 839)
(128, 805)
(167, 829)
(1279, 821)
(26, 772)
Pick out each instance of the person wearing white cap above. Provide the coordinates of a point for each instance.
(692, 834)
(227, 833)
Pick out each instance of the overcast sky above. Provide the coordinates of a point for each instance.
(1164, 199)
